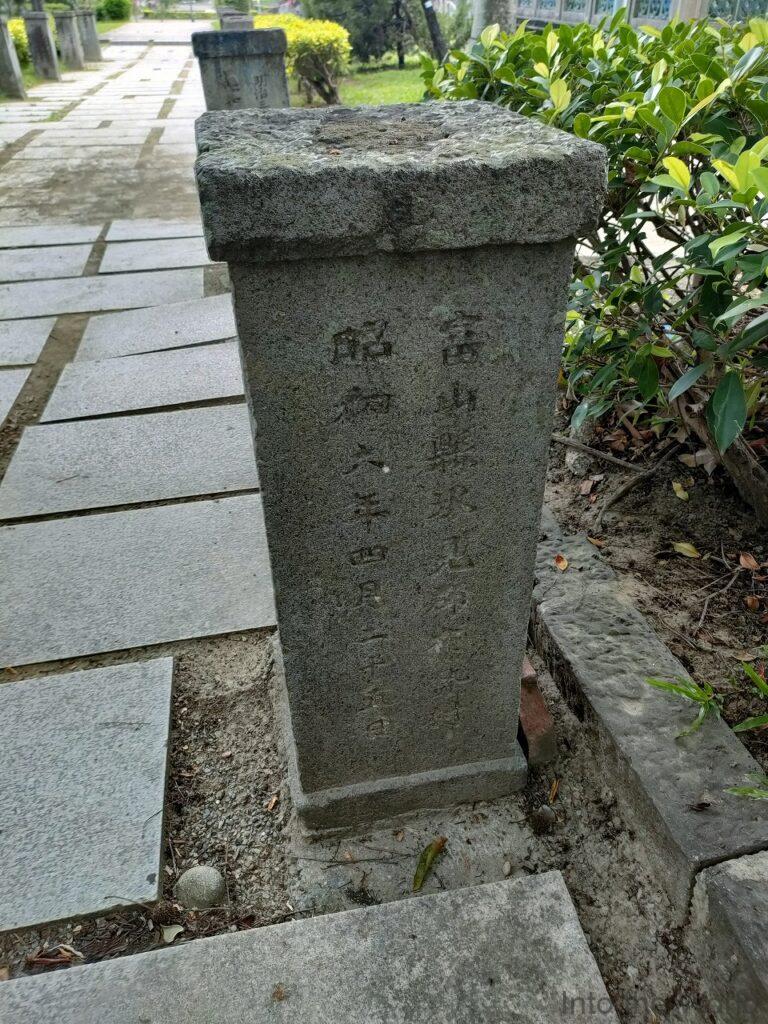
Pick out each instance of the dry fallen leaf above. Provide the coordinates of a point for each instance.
(680, 491)
(273, 801)
(5, 973)
(553, 790)
(703, 458)
(586, 486)
(279, 993)
(170, 932)
(597, 543)
(752, 602)
(683, 548)
(747, 561)
(561, 562)
(399, 836)
(428, 857)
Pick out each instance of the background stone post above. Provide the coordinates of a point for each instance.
(11, 79)
(242, 70)
(42, 49)
(399, 279)
(89, 36)
(237, 23)
(68, 34)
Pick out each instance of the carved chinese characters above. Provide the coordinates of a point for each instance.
(399, 280)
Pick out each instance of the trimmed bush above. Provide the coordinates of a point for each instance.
(318, 51)
(668, 319)
(113, 10)
(19, 36)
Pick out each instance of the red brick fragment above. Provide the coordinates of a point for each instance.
(535, 720)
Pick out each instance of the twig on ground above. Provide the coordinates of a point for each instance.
(717, 593)
(634, 481)
(569, 442)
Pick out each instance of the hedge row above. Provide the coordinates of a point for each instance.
(318, 51)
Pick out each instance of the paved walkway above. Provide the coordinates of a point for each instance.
(129, 506)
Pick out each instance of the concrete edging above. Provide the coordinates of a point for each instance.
(600, 649)
(703, 843)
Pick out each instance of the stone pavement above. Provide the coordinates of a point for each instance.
(140, 411)
(509, 951)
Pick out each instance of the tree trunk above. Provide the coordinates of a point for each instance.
(739, 462)
(398, 17)
(491, 12)
(435, 32)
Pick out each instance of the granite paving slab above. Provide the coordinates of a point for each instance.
(22, 341)
(86, 584)
(48, 234)
(159, 327)
(43, 154)
(152, 380)
(153, 255)
(497, 954)
(91, 294)
(127, 460)
(95, 138)
(43, 262)
(11, 383)
(133, 230)
(83, 762)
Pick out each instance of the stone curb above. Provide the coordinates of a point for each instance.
(600, 650)
(727, 934)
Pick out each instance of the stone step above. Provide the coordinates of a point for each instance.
(497, 953)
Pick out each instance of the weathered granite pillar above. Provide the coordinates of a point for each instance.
(242, 70)
(399, 279)
(89, 36)
(68, 36)
(11, 80)
(237, 23)
(42, 49)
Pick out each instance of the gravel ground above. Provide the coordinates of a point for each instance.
(228, 806)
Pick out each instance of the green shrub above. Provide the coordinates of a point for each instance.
(370, 23)
(19, 37)
(318, 51)
(113, 10)
(667, 316)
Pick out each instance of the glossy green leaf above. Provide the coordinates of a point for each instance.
(673, 103)
(687, 380)
(727, 411)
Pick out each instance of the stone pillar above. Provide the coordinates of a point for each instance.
(399, 278)
(11, 80)
(89, 36)
(42, 49)
(68, 35)
(242, 70)
(237, 23)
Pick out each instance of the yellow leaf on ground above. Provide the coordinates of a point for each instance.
(683, 548)
(561, 562)
(428, 857)
(679, 490)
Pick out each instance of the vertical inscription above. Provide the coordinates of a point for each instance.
(451, 454)
(365, 516)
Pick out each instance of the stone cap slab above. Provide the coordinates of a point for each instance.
(292, 183)
(249, 43)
